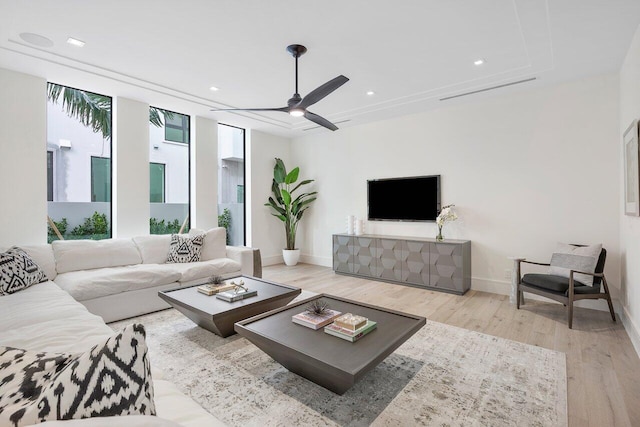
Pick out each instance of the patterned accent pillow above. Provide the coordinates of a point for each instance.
(185, 248)
(113, 378)
(580, 258)
(18, 271)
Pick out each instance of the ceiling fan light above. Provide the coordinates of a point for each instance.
(296, 112)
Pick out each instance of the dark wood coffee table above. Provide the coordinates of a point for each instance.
(331, 362)
(218, 316)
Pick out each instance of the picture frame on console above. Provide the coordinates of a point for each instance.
(631, 170)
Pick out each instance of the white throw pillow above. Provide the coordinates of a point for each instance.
(153, 249)
(113, 378)
(215, 243)
(579, 258)
(74, 255)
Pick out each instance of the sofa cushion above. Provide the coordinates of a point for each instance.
(201, 270)
(215, 243)
(74, 255)
(88, 284)
(43, 256)
(112, 378)
(154, 249)
(46, 318)
(18, 271)
(570, 257)
(185, 248)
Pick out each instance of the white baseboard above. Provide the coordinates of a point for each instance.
(272, 260)
(316, 260)
(631, 328)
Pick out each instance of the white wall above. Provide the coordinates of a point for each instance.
(630, 226)
(204, 193)
(130, 168)
(264, 231)
(525, 170)
(23, 161)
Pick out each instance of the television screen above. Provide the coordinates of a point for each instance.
(404, 199)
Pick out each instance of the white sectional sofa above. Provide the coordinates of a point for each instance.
(45, 318)
(120, 278)
(93, 282)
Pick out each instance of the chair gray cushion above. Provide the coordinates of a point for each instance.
(571, 257)
(556, 284)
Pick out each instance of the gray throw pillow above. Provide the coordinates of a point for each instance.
(112, 378)
(185, 248)
(580, 258)
(18, 271)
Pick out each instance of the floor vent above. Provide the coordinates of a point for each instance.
(488, 88)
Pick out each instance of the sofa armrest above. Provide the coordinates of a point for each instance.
(249, 259)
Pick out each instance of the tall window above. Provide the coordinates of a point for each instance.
(156, 179)
(78, 163)
(231, 182)
(100, 179)
(168, 171)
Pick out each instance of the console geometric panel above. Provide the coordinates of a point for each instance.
(390, 256)
(364, 256)
(446, 266)
(415, 269)
(342, 254)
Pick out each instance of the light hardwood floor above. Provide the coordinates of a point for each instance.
(603, 369)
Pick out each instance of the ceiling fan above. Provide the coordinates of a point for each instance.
(296, 105)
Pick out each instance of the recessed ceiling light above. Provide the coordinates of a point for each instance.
(75, 42)
(214, 89)
(36, 39)
(478, 62)
(370, 93)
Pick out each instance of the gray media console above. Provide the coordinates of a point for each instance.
(422, 262)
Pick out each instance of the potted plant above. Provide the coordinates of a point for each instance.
(288, 209)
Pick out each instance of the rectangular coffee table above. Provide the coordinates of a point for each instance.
(218, 316)
(331, 362)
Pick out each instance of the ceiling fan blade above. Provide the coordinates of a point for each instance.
(283, 109)
(321, 91)
(320, 120)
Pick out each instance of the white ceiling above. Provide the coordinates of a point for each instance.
(411, 53)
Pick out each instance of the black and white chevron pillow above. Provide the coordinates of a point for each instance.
(18, 271)
(113, 378)
(185, 248)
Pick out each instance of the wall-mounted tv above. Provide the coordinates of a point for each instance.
(414, 198)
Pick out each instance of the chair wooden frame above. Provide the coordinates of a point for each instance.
(571, 295)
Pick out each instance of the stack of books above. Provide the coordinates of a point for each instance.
(212, 289)
(350, 327)
(231, 296)
(315, 321)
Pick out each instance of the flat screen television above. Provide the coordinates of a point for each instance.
(414, 198)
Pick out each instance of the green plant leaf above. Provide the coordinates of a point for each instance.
(286, 197)
(273, 204)
(305, 182)
(279, 172)
(292, 176)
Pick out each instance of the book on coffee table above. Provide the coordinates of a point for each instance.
(231, 296)
(315, 321)
(348, 334)
(211, 289)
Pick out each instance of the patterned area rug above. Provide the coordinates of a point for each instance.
(442, 376)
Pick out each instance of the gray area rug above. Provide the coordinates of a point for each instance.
(442, 376)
